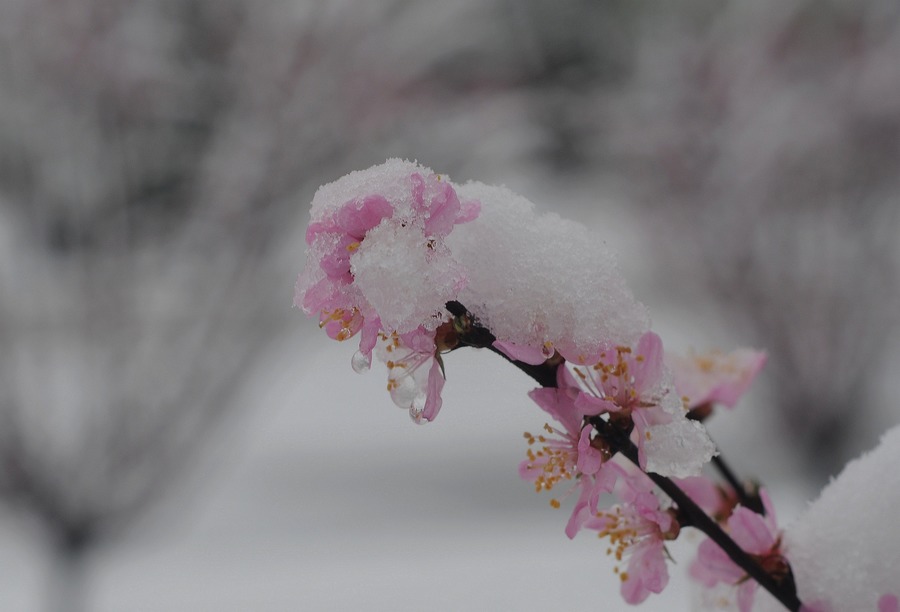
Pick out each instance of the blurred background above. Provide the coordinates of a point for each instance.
(173, 436)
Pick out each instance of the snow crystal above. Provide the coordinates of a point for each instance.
(535, 279)
(678, 449)
(845, 549)
(405, 277)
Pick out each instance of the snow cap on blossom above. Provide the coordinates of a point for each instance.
(377, 266)
(715, 377)
(376, 252)
(845, 548)
(540, 282)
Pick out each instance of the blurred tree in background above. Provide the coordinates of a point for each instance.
(765, 139)
(152, 154)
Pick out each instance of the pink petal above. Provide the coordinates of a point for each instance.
(745, 593)
(419, 340)
(888, 603)
(336, 263)
(713, 565)
(443, 212)
(358, 216)
(648, 370)
(729, 391)
(591, 405)
(702, 492)
(315, 298)
(368, 337)
(633, 590)
(589, 458)
(578, 355)
(468, 211)
(750, 531)
(582, 512)
(433, 399)
(647, 572)
(521, 352)
(605, 480)
(560, 406)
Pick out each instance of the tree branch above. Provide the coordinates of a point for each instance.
(471, 333)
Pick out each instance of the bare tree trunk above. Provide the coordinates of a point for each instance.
(66, 587)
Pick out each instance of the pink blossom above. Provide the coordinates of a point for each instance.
(888, 603)
(524, 353)
(638, 529)
(627, 384)
(566, 454)
(415, 379)
(758, 536)
(715, 377)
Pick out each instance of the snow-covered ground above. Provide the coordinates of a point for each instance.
(330, 499)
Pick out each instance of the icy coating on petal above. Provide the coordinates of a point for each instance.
(634, 382)
(534, 279)
(680, 447)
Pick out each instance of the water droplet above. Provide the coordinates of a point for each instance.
(360, 363)
(404, 394)
(416, 415)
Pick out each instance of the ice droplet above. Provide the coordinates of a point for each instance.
(547, 350)
(360, 363)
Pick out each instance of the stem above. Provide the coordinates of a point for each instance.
(66, 589)
(746, 498)
(545, 375)
(753, 502)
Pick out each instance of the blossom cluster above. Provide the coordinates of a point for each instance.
(378, 266)
(416, 266)
(623, 389)
(389, 247)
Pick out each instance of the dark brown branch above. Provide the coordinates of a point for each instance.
(748, 499)
(692, 515)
